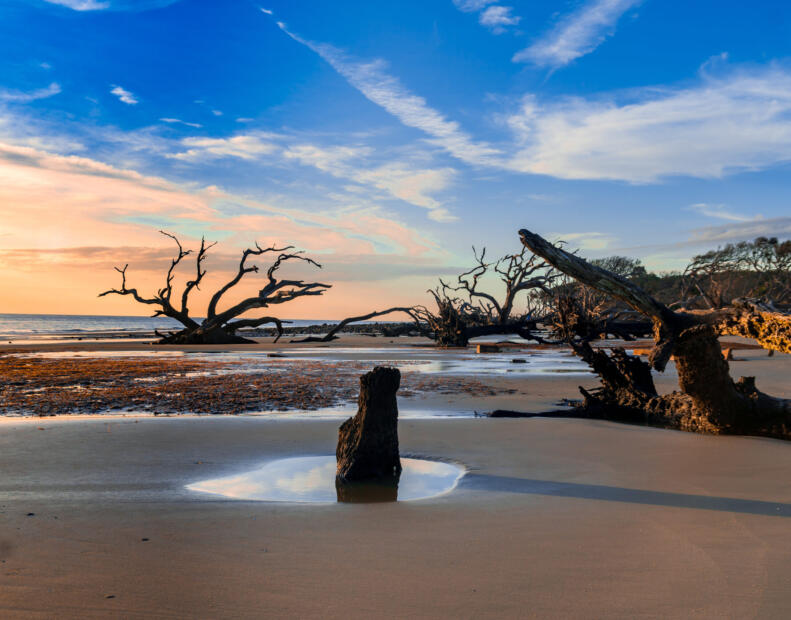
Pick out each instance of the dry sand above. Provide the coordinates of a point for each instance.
(556, 518)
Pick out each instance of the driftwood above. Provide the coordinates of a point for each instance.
(220, 327)
(709, 400)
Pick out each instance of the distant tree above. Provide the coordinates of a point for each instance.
(749, 269)
(221, 326)
(624, 266)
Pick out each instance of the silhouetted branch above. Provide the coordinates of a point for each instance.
(331, 335)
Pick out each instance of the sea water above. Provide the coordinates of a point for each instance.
(39, 326)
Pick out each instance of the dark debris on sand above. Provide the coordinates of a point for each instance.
(56, 386)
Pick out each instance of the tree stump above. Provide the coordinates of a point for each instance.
(368, 442)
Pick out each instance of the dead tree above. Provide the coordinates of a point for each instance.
(518, 273)
(709, 400)
(219, 326)
(465, 310)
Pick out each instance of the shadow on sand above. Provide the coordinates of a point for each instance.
(506, 484)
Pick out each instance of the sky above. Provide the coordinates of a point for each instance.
(383, 138)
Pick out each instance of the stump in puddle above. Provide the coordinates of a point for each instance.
(368, 443)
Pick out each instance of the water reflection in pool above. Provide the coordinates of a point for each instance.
(312, 479)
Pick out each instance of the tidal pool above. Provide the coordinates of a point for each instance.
(311, 479)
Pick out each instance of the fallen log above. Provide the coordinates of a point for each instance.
(709, 401)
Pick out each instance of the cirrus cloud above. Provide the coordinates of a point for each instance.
(577, 34)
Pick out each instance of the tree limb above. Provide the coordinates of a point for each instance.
(243, 270)
(195, 284)
(331, 335)
(235, 325)
(167, 291)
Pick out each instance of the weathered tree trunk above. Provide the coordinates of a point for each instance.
(199, 336)
(709, 401)
(368, 442)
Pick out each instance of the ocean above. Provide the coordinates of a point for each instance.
(42, 325)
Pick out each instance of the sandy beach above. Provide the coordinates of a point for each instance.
(560, 518)
(367, 310)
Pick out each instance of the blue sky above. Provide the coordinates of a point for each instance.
(388, 137)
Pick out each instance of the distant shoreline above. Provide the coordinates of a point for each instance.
(15, 328)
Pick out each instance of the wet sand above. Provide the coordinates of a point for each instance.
(557, 518)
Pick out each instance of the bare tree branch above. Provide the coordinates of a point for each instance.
(331, 335)
(200, 272)
(243, 270)
(167, 291)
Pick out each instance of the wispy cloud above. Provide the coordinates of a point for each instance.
(498, 18)
(411, 184)
(178, 121)
(741, 231)
(740, 120)
(17, 96)
(595, 241)
(414, 183)
(81, 5)
(373, 81)
(327, 159)
(112, 5)
(721, 212)
(267, 11)
(470, 6)
(124, 95)
(248, 147)
(577, 34)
